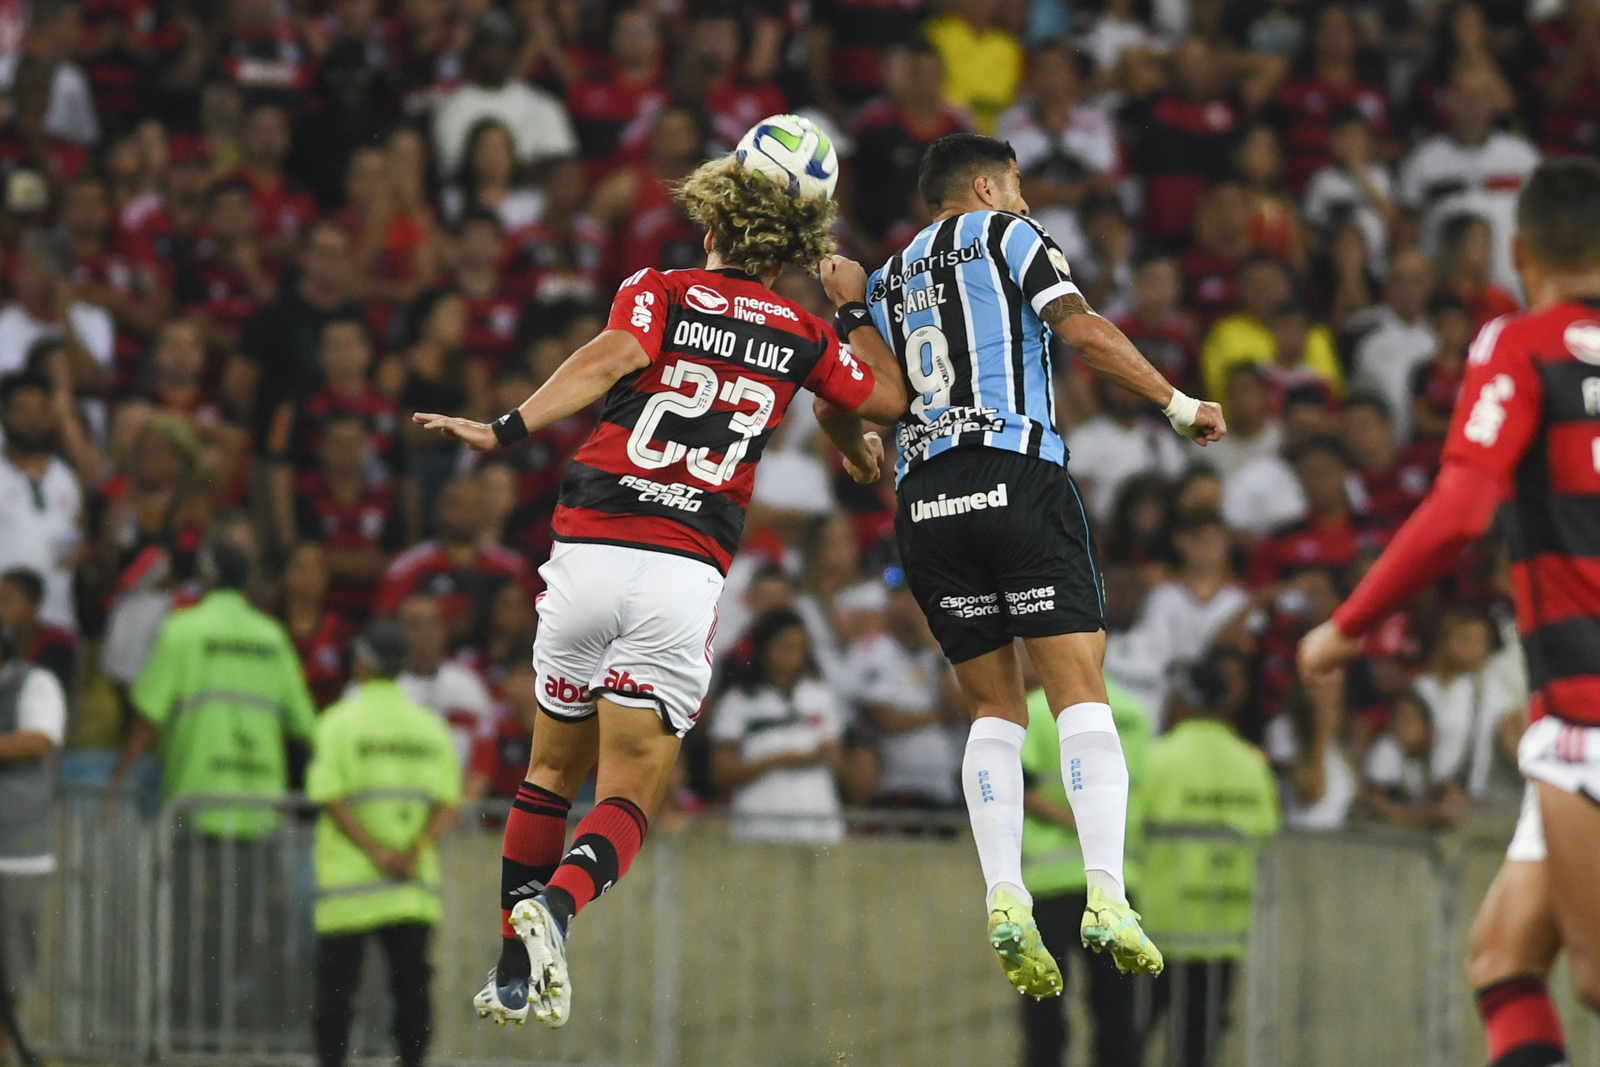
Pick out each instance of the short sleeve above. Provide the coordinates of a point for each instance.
(641, 309)
(156, 688)
(325, 775)
(42, 706)
(839, 377)
(727, 725)
(1036, 263)
(1385, 765)
(1501, 403)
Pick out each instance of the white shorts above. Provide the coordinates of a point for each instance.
(631, 624)
(1563, 755)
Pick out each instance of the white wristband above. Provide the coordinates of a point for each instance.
(1181, 411)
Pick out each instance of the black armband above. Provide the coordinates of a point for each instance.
(849, 317)
(509, 428)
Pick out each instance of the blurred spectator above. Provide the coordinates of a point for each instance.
(1215, 261)
(891, 132)
(390, 231)
(1466, 705)
(490, 180)
(1106, 273)
(277, 361)
(1353, 187)
(1398, 337)
(1198, 891)
(636, 201)
(1398, 784)
(618, 91)
(1393, 480)
(1271, 328)
(711, 72)
(1066, 151)
(283, 206)
(848, 44)
(228, 276)
(26, 136)
(1184, 142)
(434, 374)
(1436, 382)
(832, 567)
(1275, 226)
(983, 60)
(1252, 431)
(1124, 440)
(1265, 492)
(1332, 532)
(214, 668)
(35, 641)
(321, 636)
(1157, 324)
(178, 387)
(357, 523)
(1187, 611)
(46, 304)
(513, 621)
(1052, 871)
(1319, 784)
(1331, 80)
(539, 127)
(1472, 168)
(500, 756)
(33, 726)
(264, 55)
(776, 734)
(41, 503)
(453, 691)
(1565, 89)
(388, 785)
(1136, 655)
(55, 28)
(1463, 264)
(907, 694)
(558, 259)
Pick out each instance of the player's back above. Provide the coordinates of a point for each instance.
(1533, 394)
(671, 464)
(960, 306)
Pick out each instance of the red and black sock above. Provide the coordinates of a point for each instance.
(536, 832)
(603, 847)
(1521, 1024)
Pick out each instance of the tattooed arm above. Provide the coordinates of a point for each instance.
(1110, 354)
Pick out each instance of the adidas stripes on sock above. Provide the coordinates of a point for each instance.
(536, 831)
(603, 847)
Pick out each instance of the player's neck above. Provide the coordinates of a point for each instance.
(1560, 288)
(715, 262)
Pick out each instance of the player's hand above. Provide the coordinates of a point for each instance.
(844, 279)
(870, 473)
(1208, 425)
(1325, 649)
(478, 436)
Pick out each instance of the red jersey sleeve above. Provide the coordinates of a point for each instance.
(839, 377)
(641, 309)
(1498, 412)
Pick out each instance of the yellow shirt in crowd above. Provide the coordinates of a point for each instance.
(1238, 338)
(982, 69)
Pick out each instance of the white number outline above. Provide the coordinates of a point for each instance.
(747, 424)
(933, 384)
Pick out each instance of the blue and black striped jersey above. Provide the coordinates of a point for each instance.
(960, 307)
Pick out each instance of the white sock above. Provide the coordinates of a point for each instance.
(1096, 777)
(991, 777)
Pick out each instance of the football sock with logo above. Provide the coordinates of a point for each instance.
(1521, 1024)
(991, 778)
(603, 847)
(536, 831)
(1096, 777)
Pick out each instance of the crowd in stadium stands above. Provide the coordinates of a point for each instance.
(243, 241)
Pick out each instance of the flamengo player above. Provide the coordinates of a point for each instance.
(696, 367)
(1527, 430)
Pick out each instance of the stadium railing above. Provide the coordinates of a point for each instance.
(172, 946)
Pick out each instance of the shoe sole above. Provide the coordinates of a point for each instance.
(550, 990)
(1009, 942)
(1103, 939)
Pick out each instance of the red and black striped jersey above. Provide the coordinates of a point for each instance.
(672, 462)
(1531, 416)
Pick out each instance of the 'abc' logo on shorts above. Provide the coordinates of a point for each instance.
(708, 300)
(564, 692)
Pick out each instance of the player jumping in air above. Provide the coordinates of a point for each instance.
(696, 368)
(1526, 430)
(992, 533)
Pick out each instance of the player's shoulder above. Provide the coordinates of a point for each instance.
(1549, 334)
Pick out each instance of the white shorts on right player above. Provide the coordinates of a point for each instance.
(629, 624)
(1563, 755)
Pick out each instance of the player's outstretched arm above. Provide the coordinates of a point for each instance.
(585, 377)
(1110, 354)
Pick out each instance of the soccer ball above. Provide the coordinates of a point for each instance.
(792, 151)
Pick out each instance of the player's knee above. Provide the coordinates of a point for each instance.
(1487, 964)
(1585, 972)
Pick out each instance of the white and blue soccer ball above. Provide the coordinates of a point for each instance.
(794, 152)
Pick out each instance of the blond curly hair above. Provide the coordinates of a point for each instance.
(755, 224)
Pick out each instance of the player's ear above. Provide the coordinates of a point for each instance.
(708, 244)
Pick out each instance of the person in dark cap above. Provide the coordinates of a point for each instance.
(387, 777)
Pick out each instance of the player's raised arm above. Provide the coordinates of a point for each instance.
(846, 285)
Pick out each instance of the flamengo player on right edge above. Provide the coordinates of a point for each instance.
(1527, 429)
(696, 367)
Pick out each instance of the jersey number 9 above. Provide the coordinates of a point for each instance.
(927, 363)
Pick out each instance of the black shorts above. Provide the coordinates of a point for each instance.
(996, 545)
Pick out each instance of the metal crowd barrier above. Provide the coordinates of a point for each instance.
(170, 946)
